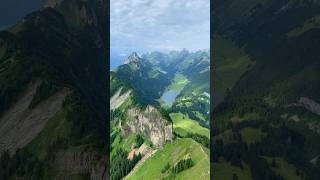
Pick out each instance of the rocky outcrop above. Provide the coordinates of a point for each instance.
(118, 99)
(150, 123)
(134, 57)
(20, 124)
(143, 150)
(310, 104)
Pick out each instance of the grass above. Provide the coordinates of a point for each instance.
(232, 62)
(283, 168)
(249, 135)
(126, 104)
(56, 127)
(246, 117)
(154, 73)
(178, 82)
(125, 144)
(252, 135)
(172, 153)
(183, 124)
(308, 25)
(224, 170)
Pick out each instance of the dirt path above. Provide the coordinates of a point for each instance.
(140, 163)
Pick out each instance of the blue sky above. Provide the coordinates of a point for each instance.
(158, 25)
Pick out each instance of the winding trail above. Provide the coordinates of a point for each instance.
(147, 156)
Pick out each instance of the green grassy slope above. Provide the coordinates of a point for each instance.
(231, 62)
(172, 153)
(224, 170)
(280, 37)
(283, 168)
(178, 82)
(182, 124)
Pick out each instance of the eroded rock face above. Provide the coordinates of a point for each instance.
(151, 124)
(19, 125)
(143, 150)
(310, 104)
(117, 100)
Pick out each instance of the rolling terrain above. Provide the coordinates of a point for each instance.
(266, 63)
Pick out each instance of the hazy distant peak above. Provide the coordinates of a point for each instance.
(134, 57)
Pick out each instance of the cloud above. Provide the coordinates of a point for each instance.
(148, 25)
(122, 54)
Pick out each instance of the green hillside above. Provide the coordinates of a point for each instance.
(183, 125)
(267, 111)
(172, 153)
(52, 77)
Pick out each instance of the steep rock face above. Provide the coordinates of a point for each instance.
(151, 124)
(20, 124)
(310, 104)
(143, 150)
(134, 57)
(117, 100)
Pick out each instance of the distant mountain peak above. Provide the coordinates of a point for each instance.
(134, 57)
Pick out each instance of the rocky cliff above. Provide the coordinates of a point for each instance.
(150, 123)
(118, 99)
(20, 124)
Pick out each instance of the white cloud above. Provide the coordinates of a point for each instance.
(147, 25)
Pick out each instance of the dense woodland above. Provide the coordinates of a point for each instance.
(121, 165)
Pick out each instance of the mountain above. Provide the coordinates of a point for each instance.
(52, 93)
(266, 68)
(132, 58)
(159, 106)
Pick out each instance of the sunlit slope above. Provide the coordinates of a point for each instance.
(172, 153)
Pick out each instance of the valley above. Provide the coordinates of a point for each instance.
(159, 116)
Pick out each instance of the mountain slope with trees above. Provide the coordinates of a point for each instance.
(276, 96)
(59, 51)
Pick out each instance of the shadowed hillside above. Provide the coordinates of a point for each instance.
(53, 103)
(266, 120)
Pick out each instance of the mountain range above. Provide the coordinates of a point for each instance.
(159, 107)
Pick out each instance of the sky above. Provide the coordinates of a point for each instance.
(12, 11)
(158, 25)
